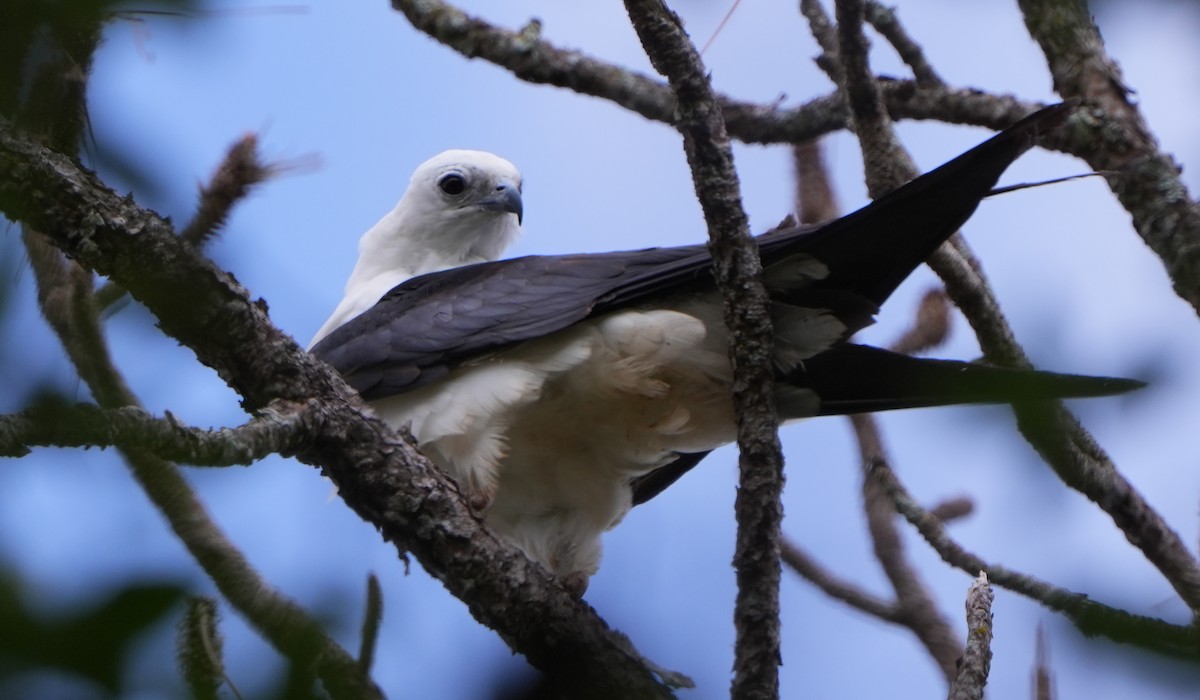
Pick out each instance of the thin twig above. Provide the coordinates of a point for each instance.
(199, 649)
(837, 588)
(920, 611)
(886, 22)
(1092, 618)
(886, 166)
(822, 29)
(238, 173)
(953, 509)
(932, 326)
(815, 200)
(1043, 676)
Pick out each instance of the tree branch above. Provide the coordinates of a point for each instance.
(738, 273)
(838, 589)
(277, 428)
(916, 606)
(1054, 432)
(1090, 617)
(538, 61)
(1116, 138)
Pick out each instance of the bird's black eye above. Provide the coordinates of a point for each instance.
(452, 183)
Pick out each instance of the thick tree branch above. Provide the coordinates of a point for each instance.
(885, 163)
(50, 103)
(738, 273)
(378, 474)
(277, 428)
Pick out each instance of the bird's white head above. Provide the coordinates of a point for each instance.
(460, 207)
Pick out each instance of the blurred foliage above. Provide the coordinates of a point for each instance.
(93, 643)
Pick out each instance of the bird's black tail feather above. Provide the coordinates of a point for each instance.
(860, 379)
(871, 251)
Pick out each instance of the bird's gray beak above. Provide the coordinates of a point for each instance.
(505, 198)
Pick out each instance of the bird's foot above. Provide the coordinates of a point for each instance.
(576, 583)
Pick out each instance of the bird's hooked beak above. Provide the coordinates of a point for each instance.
(504, 198)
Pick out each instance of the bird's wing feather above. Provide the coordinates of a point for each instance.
(428, 325)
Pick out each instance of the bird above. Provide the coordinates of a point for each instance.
(559, 391)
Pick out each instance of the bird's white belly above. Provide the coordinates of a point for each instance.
(548, 434)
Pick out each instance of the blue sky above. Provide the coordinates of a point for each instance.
(352, 86)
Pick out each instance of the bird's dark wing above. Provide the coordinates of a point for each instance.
(430, 324)
(869, 252)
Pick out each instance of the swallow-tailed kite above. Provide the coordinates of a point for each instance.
(559, 391)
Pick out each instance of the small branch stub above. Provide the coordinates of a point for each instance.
(977, 658)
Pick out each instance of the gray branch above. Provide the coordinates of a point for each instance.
(535, 60)
(1090, 617)
(1112, 135)
(278, 428)
(738, 272)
